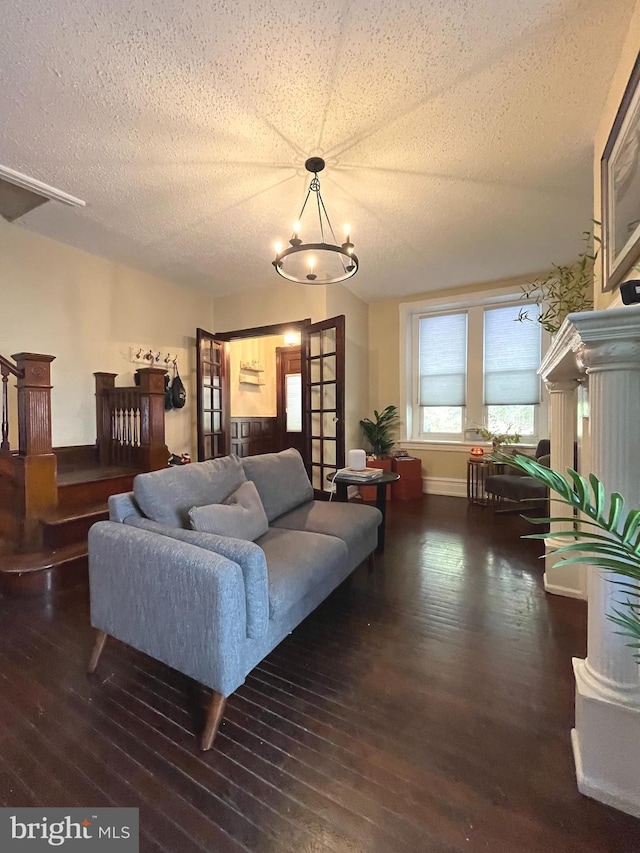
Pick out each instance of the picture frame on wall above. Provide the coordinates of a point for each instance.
(620, 182)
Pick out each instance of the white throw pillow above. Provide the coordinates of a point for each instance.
(241, 516)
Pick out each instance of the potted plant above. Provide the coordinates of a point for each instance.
(498, 439)
(567, 288)
(379, 434)
(609, 537)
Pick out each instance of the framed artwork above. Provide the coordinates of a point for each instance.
(620, 177)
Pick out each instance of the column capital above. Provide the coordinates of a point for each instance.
(563, 386)
(610, 355)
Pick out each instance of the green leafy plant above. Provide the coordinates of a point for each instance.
(567, 288)
(608, 538)
(498, 439)
(379, 432)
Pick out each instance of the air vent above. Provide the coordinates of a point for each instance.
(19, 194)
(16, 201)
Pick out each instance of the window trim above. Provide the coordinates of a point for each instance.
(409, 313)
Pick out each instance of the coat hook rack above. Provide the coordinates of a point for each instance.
(169, 360)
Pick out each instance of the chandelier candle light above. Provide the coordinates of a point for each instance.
(319, 262)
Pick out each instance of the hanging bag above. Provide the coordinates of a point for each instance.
(178, 392)
(168, 396)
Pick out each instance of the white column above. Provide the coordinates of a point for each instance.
(564, 580)
(606, 738)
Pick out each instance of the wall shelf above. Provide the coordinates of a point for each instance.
(250, 379)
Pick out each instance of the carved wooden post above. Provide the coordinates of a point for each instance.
(104, 381)
(153, 450)
(36, 460)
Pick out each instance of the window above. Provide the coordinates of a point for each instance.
(474, 366)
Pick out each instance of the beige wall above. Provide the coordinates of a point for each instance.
(618, 85)
(342, 301)
(87, 311)
(254, 401)
(384, 368)
(281, 302)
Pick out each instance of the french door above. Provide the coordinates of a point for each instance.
(212, 376)
(323, 380)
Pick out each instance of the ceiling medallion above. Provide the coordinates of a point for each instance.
(319, 262)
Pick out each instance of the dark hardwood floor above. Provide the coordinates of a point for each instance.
(426, 706)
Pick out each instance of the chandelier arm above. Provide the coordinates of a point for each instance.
(321, 202)
(304, 204)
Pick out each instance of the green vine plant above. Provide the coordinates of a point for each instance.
(608, 538)
(567, 288)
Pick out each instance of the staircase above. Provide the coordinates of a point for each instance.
(49, 498)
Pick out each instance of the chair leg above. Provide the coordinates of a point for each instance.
(101, 639)
(214, 718)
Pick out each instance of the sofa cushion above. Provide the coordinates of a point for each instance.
(166, 496)
(355, 524)
(281, 480)
(297, 562)
(240, 516)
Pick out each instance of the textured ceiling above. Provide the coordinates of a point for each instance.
(457, 133)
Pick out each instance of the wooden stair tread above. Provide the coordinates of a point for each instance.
(93, 474)
(64, 515)
(39, 561)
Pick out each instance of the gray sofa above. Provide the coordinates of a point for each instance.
(208, 604)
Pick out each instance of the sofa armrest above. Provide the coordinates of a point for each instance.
(182, 605)
(249, 556)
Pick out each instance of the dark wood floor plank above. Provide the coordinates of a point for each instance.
(425, 706)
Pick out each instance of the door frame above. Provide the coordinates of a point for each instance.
(263, 331)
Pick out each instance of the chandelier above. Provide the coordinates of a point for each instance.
(316, 262)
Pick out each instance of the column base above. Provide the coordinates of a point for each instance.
(569, 581)
(606, 746)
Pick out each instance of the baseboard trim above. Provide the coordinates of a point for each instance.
(566, 591)
(448, 486)
(615, 799)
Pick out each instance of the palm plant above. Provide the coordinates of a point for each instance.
(608, 538)
(379, 432)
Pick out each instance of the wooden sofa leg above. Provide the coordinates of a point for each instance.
(101, 639)
(214, 718)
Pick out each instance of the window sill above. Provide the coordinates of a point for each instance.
(456, 446)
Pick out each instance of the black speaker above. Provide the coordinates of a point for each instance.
(630, 292)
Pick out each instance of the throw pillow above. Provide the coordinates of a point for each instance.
(241, 516)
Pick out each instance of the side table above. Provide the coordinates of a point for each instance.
(343, 480)
(477, 472)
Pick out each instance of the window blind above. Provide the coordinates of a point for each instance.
(511, 357)
(443, 360)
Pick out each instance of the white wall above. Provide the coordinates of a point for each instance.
(86, 311)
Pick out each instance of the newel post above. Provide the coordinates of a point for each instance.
(104, 382)
(36, 460)
(153, 450)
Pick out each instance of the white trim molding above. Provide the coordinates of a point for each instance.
(449, 486)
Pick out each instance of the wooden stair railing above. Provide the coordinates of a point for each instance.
(28, 476)
(130, 421)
